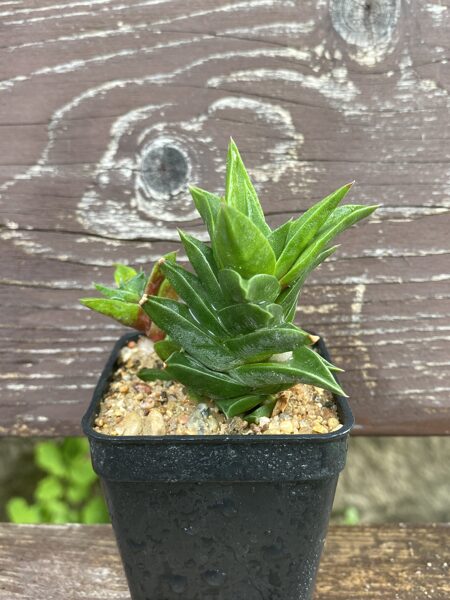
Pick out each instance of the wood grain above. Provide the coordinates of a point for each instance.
(81, 562)
(109, 107)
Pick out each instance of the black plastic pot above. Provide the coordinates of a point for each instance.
(218, 517)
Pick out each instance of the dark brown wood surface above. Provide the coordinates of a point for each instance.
(108, 107)
(82, 562)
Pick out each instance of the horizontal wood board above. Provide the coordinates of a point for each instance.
(82, 562)
(108, 108)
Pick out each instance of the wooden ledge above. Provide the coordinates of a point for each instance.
(81, 562)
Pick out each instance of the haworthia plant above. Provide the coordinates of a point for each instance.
(226, 330)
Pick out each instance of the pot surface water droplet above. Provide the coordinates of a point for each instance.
(214, 577)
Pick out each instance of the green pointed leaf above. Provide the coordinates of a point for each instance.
(155, 374)
(265, 410)
(303, 230)
(277, 238)
(201, 258)
(123, 273)
(288, 299)
(189, 288)
(124, 312)
(236, 406)
(304, 367)
(208, 206)
(240, 193)
(267, 341)
(242, 318)
(188, 335)
(195, 375)
(135, 284)
(341, 219)
(156, 278)
(240, 245)
(233, 286)
(164, 348)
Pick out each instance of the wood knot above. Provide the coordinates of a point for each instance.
(164, 168)
(365, 23)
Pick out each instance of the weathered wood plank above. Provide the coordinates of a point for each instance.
(315, 93)
(81, 562)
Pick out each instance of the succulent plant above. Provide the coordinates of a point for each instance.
(230, 335)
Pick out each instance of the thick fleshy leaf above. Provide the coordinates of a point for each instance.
(195, 375)
(288, 299)
(123, 273)
(305, 366)
(183, 331)
(262, 288)
(208, 206)
(236, 406)
(155, 375)
(126, 313)
(189, 288)
(259, 288)
(164, 348)
(201, 258)
(267, 341)
(265, 410)
(303, 229)
(341, 219)
(240, 192)
(240, 245)
(242, 318)
(277, 238)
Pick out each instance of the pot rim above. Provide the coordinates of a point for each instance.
(345, 415)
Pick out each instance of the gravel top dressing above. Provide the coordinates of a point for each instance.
(133, 407)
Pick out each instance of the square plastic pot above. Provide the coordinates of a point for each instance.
(218, 517)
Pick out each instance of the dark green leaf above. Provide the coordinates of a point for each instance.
(208, 206)
(155, 374)
(164, 348)
(193, 374)
(201, 258)
(240, 192)
(341, 219)
(240, 245)
(267, 341)
(288, 299)
(236, 406)
(265, 410)
(303, 229)
(190, 290)
(242, 318)
(188, 335)
(304, 367)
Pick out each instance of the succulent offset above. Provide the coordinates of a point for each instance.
(225, 331)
